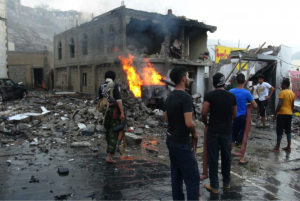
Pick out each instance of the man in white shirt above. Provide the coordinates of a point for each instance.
(263, 89)
(255, 96)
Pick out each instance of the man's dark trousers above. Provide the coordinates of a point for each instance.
(184, 167)
(215, 142)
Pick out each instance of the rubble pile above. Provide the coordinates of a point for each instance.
(44, 119)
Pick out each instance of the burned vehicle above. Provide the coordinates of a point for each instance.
(10, 90)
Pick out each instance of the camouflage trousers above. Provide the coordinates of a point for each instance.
(111, 120)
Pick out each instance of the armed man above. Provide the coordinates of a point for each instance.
(110, 105)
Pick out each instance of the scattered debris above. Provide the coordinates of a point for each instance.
(34, 180)
(63, 171)
(81, 144)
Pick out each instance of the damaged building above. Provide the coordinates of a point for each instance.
(274, 62)
(83, 54)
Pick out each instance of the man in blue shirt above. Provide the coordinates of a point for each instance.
(242, 98)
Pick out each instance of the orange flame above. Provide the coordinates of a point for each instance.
(133, 78)
(149, 75)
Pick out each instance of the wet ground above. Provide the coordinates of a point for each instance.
(27, 173)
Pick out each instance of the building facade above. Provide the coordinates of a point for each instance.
(83, 54)
(3, 39)
(32, 69)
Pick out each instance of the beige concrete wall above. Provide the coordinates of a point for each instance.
(17, 74)
(61, 79)
(74, 82)
(197, 44)
(89, 87)
(30, 60)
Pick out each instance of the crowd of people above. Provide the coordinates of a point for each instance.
(225, 127)
(228, 116)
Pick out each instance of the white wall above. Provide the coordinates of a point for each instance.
(3, 41)
(283, 68)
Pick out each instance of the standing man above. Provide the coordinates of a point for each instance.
(242, 98)
(222, 105)
(284, 118)
(178, 113)
(114, 114)
(263, 89)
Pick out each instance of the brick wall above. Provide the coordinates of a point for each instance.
(74, 82)
(89, 87)
(17, 74)
(92, 31)
(61, 80)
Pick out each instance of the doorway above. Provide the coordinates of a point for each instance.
(38, 76)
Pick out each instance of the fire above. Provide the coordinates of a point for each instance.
(133, 78)
(151, 77)
(135, 81)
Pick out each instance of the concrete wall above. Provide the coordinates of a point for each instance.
(197, 44)
(61, 78)
(74, 82)
(283, 68)
(30, 61)
(3, 39)
(17, 73)
(92, 30)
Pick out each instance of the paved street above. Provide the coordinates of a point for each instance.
(142, 174)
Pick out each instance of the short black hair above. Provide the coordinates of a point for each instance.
(286, 82)
(177, 73)
(261, 76)
(110, 74)
(240, 78)
(254, 81)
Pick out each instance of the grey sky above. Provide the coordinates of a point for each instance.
(250, 21)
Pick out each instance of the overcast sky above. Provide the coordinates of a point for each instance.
(250, 21)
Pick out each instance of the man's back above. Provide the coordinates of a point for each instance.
(287, 105)
(177, 104)
(242, 98)
(221, 110)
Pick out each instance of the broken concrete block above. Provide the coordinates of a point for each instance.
(89, 128)
(34, 180)
(138, 131)
(152, 123)
(94, 149)
(81, 144)
(63, 171)
(130, 122)
(100, 128)
(47, 126)
(81, 126)
(133, 139)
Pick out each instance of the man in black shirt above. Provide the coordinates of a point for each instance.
(178, 113)
(222, 105)
(114, 115)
